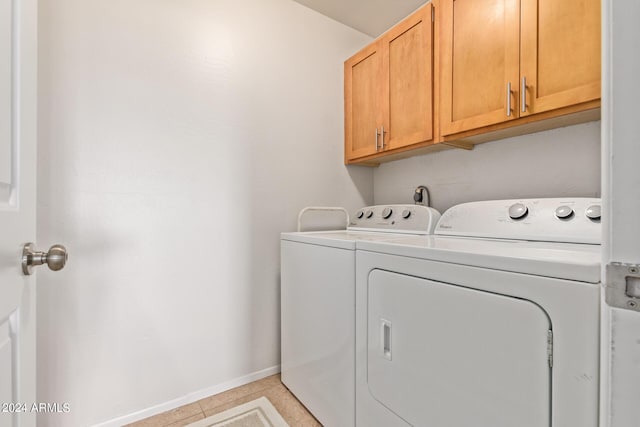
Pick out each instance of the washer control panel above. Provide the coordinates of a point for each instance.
(571, 220)
(416, 219)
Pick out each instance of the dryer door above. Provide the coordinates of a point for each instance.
(445, 355)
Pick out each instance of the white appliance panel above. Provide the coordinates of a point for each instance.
(342, 239)
(412, 219)
(445, 355)
(318, 298)
(562, 260)
(570, 220)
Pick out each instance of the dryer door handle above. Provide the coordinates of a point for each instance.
(385, 338)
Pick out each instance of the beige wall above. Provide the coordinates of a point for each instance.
(555, 163)
(177, 140)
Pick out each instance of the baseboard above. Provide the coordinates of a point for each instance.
(189, 398)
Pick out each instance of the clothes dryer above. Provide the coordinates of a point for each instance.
(491, 322)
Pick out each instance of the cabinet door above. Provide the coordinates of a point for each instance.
(480, 58)
(408, 73)
(560, 57)
(362, 102)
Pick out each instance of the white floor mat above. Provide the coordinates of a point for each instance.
(257, 413)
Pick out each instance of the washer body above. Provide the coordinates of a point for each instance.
(492, 322)
(318, 307)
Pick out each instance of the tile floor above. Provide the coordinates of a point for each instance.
(270, 387)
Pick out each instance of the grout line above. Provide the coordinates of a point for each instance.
(204, 414)
(261, 390)
(238, 401)
(234, 402)
(185, 417)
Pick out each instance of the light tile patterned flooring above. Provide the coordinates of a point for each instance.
(270, 387)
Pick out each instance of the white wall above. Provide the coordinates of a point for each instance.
(555, 163)
(177, 140)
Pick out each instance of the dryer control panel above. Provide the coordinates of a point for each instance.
(415, 219)
(570, 220)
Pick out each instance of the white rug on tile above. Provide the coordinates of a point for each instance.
(257, 413)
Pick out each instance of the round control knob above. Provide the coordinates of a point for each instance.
(386, 213)
(359, 214)
(369, 213)
(564, 212)
(518, 211)
(406, 214)
(593, 212)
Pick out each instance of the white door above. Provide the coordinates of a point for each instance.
(621, 222)
(18, 77)
(445, 355)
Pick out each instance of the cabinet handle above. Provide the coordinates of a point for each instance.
(382, 134)
(509, 99)
(377, 134)
(523, 94)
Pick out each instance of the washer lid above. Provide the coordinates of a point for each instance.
(342, 239)
(569, 261)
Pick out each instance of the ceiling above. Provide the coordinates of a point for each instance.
(372, 17)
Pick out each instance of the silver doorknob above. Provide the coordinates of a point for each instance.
(55, 258)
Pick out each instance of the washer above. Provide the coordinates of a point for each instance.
(318, 306)
(491, 322)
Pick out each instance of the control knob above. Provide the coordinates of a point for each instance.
(359, 214)
(518, 211)
(369, 213)
(406, 214)
(386, 213)
(564, 212)
(593, 212)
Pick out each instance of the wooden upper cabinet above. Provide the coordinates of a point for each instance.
(408, 65)
(479, 63)
(363, 102)
(388, 90)
(560, 53)
(484, 70)
(546, 51)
